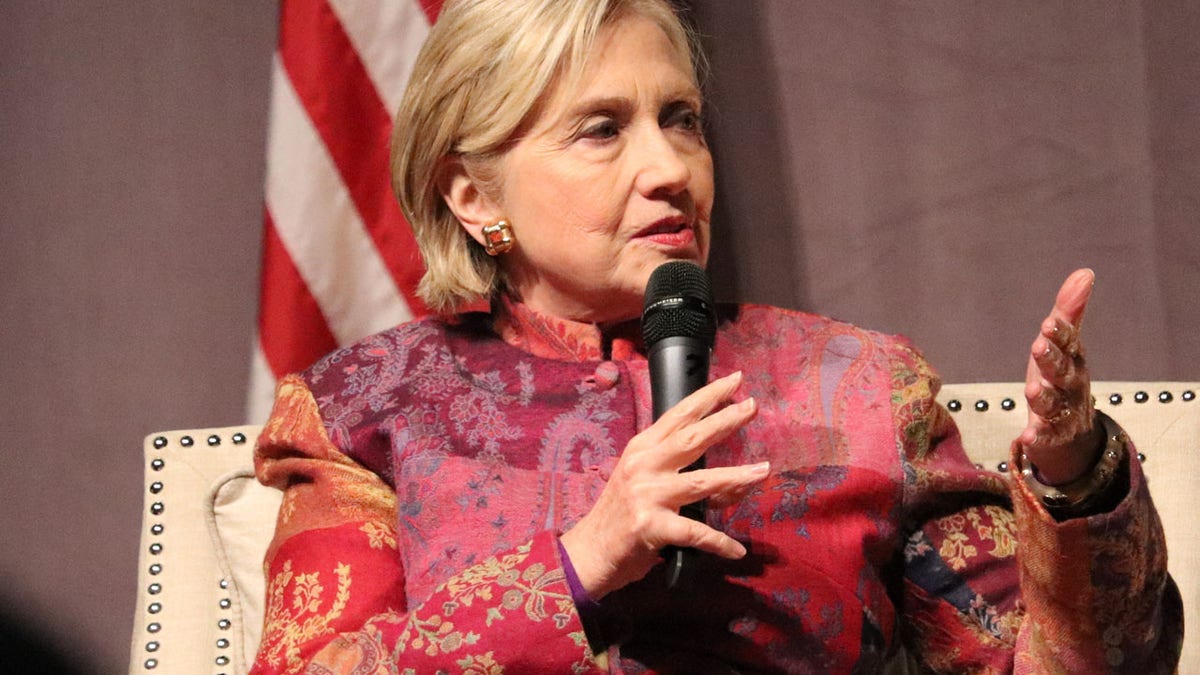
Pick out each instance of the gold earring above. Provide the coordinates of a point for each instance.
(498, 238)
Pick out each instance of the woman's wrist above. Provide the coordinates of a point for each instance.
(570, 546)
(1082, 495)
(584, 603)
(602, 626)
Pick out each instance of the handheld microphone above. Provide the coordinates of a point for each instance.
(679, 324)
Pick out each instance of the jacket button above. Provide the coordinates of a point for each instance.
(606, 376)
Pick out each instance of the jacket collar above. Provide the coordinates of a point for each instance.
(555, 338)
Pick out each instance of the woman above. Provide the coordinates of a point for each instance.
(487, 493)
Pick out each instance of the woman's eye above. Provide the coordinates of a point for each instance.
(684, 117)
(601, 130)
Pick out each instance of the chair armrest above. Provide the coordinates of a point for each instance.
(205, 522)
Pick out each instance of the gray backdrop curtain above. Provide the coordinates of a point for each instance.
(937, 168)
(927, 168)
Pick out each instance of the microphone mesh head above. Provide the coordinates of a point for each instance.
(678, 303)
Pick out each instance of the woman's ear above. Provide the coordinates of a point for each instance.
(473, 208)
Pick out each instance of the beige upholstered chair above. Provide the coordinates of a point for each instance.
(207, 522)
(205, 531)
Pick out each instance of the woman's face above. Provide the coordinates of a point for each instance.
(613, 179)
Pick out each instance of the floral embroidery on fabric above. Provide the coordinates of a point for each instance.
(435, 635)
(934, 571)
(912, 398)
(1002, 532)
(917, 546)
(1002, 626)
(524, 589)
(991, 524)
(577, 439)
(480, 417)
(544, 336)
(527, 588)
(956, 548)
(379, 535)
(483, 664)
(287, 508)
(290, 624)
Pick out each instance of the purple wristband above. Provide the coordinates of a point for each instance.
(584, 604)
(594, 616)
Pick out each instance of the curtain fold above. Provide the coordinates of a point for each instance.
(937, 169)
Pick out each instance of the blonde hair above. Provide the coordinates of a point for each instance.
(480, 78)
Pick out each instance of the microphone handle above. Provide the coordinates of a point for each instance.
(678, 367)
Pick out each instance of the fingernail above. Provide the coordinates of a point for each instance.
(748, 405)
(761, 469)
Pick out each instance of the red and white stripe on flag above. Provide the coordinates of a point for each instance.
(339, 261)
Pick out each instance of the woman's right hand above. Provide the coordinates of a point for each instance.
(637, 513)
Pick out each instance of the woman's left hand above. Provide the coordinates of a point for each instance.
(1061, 438)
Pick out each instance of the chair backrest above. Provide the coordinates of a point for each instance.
(207, 522)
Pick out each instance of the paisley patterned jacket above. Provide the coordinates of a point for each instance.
(429, 469)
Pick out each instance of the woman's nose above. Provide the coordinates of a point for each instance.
(663, 167)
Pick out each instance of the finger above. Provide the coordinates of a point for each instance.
(1073, 296)
(1053, 405)
(1062, 335)
(722, 482)
(728, 498)
(688, 444)
(688, 533)
(1056, 376)
(696, 405)
(1043, 399)
(1056, 365)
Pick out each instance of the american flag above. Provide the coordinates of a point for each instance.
(339, 260)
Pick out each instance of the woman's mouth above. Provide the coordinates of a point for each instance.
(668, 233)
